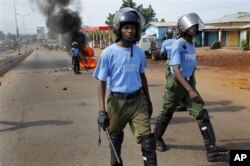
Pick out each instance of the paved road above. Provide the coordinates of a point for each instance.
(48, 118)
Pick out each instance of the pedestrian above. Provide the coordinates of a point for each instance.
(75, 57)
(166, 52)
(121, 68)
(180, 85)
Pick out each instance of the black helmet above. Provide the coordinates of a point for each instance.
(126, 16)
(189, 20)
(170, 33)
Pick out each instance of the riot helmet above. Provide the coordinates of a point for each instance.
(189, 20)
(127, 16)
(170, 33)
(74, 44)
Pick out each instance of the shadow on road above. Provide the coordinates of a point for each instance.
(44, 64)
(222, 102)
(175, 120)
(212, 106)
(223, 106)
(239, 144)
(199, 148)
(21, 125)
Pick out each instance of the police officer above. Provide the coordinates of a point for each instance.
(166, 45)
(166, 52)
(180, 85)
(75, 57)
(121, 68)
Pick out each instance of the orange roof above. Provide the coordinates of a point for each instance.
(99, 28)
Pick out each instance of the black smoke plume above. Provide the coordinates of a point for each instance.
(62, 20)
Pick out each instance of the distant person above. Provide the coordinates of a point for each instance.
(181, 85)
(167, 43)
(75, 58)
(121, 68)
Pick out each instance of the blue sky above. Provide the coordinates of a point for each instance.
(95, 12)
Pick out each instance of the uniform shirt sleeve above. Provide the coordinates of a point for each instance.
(163, 47)
(102, 69)
(176, 53)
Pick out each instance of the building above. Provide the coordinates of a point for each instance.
(229, 30)
(99, 36)
(158, 28)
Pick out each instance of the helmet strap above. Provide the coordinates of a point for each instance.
(131, 52)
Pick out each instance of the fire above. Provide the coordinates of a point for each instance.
(88, 62)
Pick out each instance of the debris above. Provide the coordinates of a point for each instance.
(64, 89)
(215, 45)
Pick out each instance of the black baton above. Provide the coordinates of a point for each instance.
(112, 146)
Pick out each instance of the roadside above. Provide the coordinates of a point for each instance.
(226, 59)
(11, 58)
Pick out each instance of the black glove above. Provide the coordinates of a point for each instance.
(103, 119)
(150, 109)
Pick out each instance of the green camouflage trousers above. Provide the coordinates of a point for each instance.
(174, 93)
(133, 111)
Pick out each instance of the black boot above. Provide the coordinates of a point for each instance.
(160, 127)
(117, 140)
(148, 150)
(214, 153)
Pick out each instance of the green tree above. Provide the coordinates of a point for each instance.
(163, 20)
(128, 3)
(109, 20)
(2, 35)
(148, 13)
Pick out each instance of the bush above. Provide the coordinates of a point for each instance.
(244, 44)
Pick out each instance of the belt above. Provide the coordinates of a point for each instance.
(126, 95)
(189, 79)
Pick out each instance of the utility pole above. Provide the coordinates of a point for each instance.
(23, 21)
(17, 33)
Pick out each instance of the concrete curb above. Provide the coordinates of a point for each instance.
(6, 66)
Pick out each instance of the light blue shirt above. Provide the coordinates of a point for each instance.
(183, 54)
(166, 47)
(119, 69)
(74, 51)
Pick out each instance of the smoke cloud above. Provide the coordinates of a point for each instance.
(64, 21)
(60, 19)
